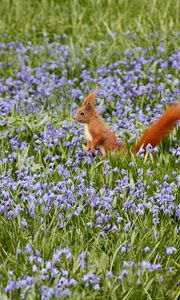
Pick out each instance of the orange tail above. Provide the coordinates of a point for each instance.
(156, 132)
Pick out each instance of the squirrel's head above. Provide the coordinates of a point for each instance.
(85, 113)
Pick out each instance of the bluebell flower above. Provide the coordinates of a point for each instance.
(170, 250)
(83, 258)
(28, 248)
(122, 274)
(147, 249)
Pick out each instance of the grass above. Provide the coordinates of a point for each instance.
(100, 23)
(94, 189)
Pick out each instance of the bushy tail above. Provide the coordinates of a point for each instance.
(156, 132)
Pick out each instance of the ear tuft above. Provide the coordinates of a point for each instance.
(91, 99)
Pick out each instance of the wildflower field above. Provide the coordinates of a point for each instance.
(72, 225)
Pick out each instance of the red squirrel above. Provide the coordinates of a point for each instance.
(98, 135)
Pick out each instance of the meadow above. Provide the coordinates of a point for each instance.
(72, 225)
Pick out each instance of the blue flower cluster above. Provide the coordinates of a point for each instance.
(52, 193)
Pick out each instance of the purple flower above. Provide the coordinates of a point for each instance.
(34, 268)
(147, 249)
(11, 286)
(57, 256)
(19, 251)
(83, 258)
(91, 279)
(145, 265)
(127, 226)
(28, 248)
(171, 269)
(170, 250)
(47, 179)
(130, 264)
(122, 274)
(96, 286)
(109, 274)
(24, 223)
(123, 249)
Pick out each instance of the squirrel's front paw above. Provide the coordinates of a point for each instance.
(86, 148)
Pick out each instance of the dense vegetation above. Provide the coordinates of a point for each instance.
(75, 225)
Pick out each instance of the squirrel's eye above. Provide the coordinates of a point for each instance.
(82, 114)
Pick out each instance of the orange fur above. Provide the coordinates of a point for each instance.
(90, 99)
(156, 132)
(99, 135)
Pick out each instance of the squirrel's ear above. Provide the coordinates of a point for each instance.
(90, 99)
(89, 106)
